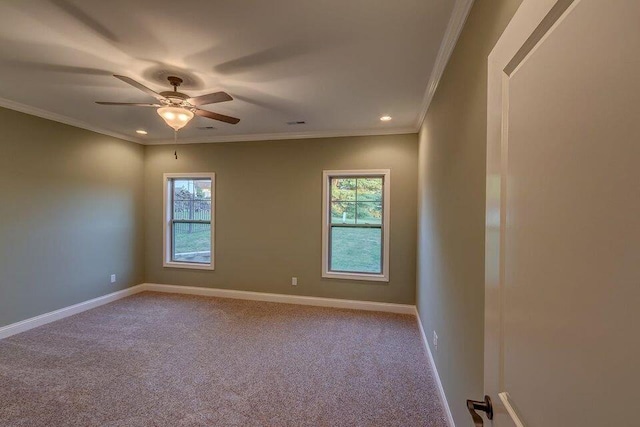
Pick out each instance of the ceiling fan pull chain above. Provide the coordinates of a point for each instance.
(175, 143)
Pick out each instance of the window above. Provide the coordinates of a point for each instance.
(189, 206)
(355, 225)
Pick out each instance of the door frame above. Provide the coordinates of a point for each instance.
(530, 24)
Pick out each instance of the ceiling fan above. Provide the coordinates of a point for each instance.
(177, 108)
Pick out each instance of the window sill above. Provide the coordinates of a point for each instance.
(191, 266)
(356, 276)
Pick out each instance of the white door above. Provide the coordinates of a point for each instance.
(562, 324)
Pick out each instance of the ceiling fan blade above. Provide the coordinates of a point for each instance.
(129, 104)
(210, 98)
(140, 86)
(216, 116)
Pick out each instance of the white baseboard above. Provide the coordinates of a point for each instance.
(443, 396)
(43, 319)
(282, 298)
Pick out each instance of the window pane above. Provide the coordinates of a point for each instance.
(343, 189)
(187, 189)
(343, 212)
(369, 213)
(191, 243)
(357, 250)
(192, 209)
(369, 189)
(192, 199)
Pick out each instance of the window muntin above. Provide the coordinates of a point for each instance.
(189, 217)
(355, 228)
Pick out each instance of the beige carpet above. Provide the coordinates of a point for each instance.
(173, 360)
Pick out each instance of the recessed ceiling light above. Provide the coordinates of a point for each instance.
(141, 131)
(385, 118)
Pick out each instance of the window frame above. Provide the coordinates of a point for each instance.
(327, 175)
(167, 232)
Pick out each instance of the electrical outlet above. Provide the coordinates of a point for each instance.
(294, 281)
(113, 278)
(435, 341)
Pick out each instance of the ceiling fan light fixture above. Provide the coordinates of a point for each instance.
(175, 117)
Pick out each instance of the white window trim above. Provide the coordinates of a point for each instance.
(326, 206)
(166, 221)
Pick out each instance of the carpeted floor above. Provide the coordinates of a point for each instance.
(174, 360)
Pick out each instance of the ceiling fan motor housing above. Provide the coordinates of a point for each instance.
(176, 98)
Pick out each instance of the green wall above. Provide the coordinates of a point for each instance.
(78, 206)
(451, 200)
(268, 214)
(71, 210)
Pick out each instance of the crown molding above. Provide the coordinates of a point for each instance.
(27, 109)
(281, 136)
(12, 105)
(456, 23)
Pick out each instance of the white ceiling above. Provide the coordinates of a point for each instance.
(337, 64)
